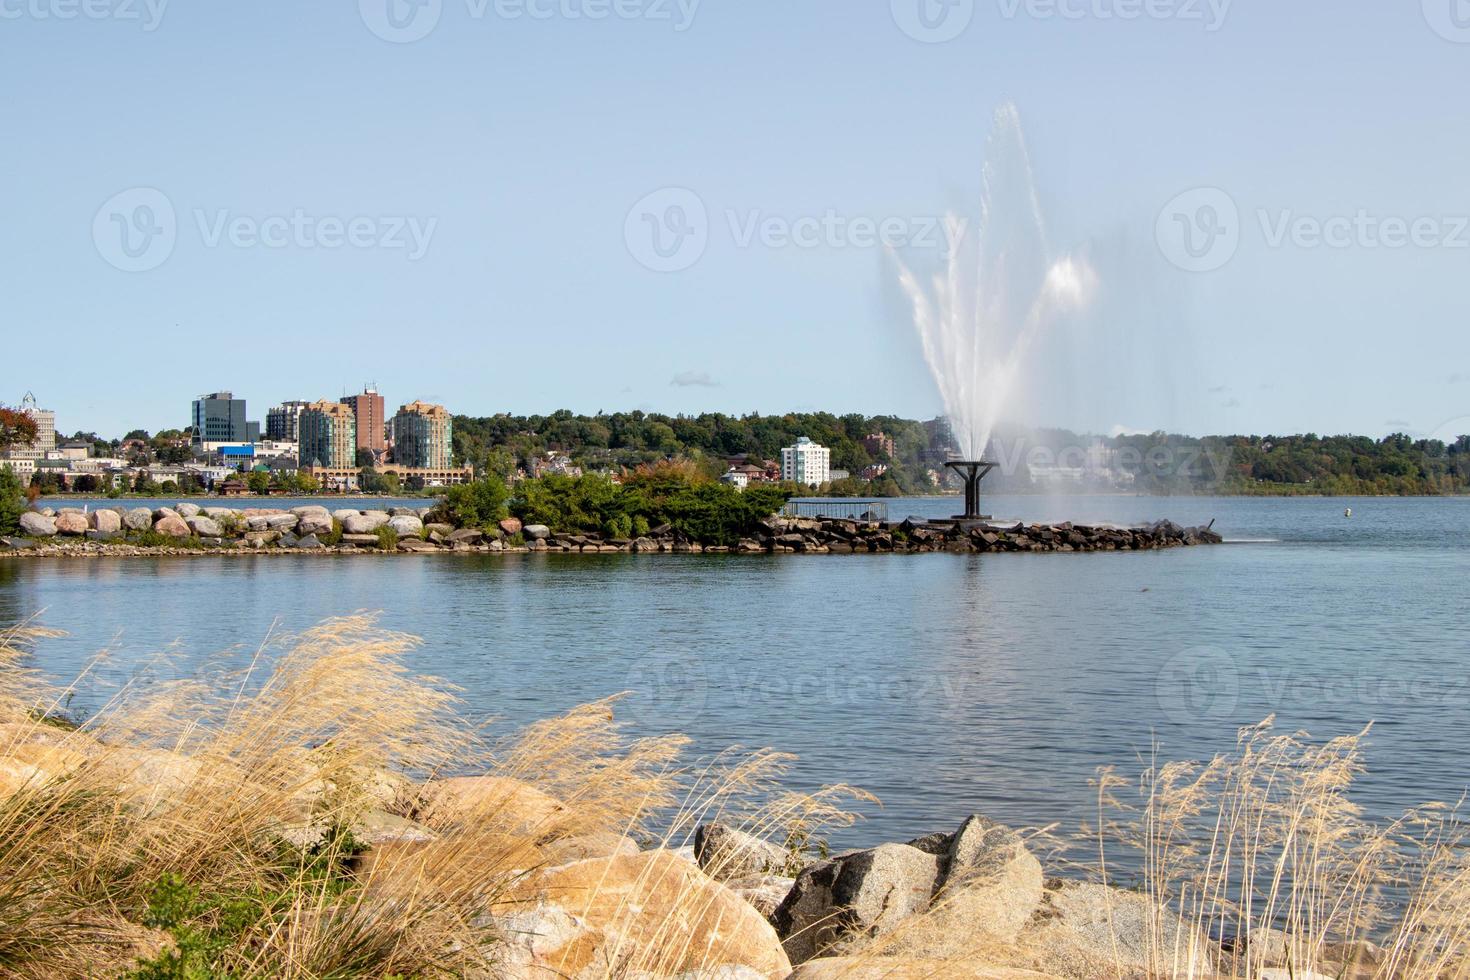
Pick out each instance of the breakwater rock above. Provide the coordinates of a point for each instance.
(190, 529)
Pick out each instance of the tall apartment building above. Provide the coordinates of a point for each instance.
(806, 463)
(328, 435)
(45, 420)
(422, 436)
(283, 423)
(219, 418)
(371, 431)
(880, 444)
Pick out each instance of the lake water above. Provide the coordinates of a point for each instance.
(943, 683)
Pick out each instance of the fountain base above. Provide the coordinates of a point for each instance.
(972, 472)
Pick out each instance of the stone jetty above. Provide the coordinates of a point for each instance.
(188, 528)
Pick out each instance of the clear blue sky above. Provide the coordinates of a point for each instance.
(523, 143)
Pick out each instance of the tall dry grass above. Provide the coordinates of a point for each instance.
(197, 829)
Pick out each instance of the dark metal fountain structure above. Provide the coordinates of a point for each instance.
(972, 472)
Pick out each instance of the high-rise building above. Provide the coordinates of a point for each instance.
(422, 436)
(880, 444)
(45, 420)
(368, 409)
(328, 435)
(282, 422)
(806, 463)
(219, 418)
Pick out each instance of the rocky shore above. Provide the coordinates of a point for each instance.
(188, 529)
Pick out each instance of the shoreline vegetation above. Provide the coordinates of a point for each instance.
(317, 810)
(666, 508)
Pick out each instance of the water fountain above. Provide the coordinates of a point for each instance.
(993, 293)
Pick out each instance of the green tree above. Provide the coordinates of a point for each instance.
(12, 501)
(259, 482)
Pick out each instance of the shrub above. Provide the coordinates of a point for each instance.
(478, 503)
(387, 538)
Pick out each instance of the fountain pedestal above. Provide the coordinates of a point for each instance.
(972, 472)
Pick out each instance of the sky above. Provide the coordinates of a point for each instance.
(680, 206)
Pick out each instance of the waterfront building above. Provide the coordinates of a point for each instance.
(735, 478)
(348, 478)
(806, 463)
(45, 420)
(422, 436)
(371, 431)
(282, 423)
(219, 418)
(328, 435)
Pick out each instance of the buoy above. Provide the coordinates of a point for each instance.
(1348, 512)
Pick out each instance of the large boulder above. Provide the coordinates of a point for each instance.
(1084, 929)
(205, 527)
(222, 513)
(312, 519)
(307, 542)
(364, 523)
(187, 510)
(37, 525)
(511, 525)
(907, 968)
(407, 526)
(465, 535)
(71, 522)
(159, 513)
(725, 853)
(865, 893)
(172, 525)
(653, 913)
(138, 519)
(499, 801)
(536, 532)
(764, 892)
(281, 522)
(106, 521)
(992, 885)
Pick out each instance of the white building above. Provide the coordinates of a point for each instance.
(806, 463)
(735, 478)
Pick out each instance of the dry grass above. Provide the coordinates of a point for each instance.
(190, 829)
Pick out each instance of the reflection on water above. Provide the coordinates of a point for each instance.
(943, 683)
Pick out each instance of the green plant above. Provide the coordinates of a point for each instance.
(332, 537)
(387, 538)
(12, 501)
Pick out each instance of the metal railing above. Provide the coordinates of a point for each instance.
(838, 510)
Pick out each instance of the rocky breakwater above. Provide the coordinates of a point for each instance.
(188, 528)
(812, 535)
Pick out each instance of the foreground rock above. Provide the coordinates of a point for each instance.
(981, 883)
(725, 853)
(654, 913)
(37, 525)
(907, 968)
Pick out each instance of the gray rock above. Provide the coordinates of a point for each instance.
(187, 510)
(104, 536)
(308, 543)
(725, 853)
(172, 525)
(466, 535)
(444, 530)
(1088, 929)
(37, 525)
(536, 532)
(72, 522)
(205, 527)
(866, 892)
(407, 526)
(281, 522)
(138, 519)
(764, 892)
(221, 513)
(364, 523)
(106, 521)
(312, 520)
(18, 544)
(359, 540)
(160, 513)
